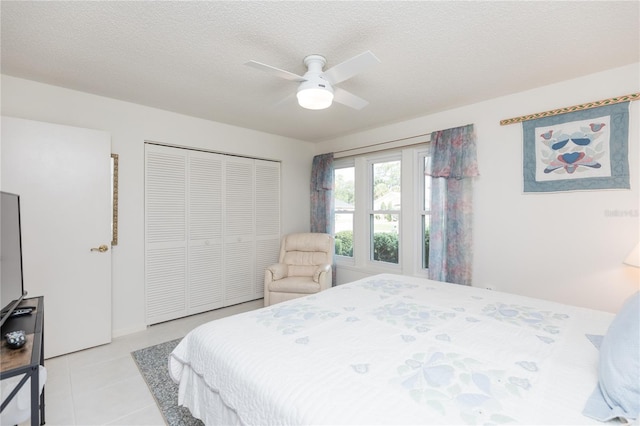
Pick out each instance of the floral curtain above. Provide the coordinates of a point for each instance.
(322, 194)
(453, 165)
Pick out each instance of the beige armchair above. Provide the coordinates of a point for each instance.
(304, 268)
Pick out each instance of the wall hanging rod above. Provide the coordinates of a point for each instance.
(610, 101)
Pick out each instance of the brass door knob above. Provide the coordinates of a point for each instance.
(101, 249)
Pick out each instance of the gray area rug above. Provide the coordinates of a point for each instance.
(153, 364)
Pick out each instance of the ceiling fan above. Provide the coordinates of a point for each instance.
(316, 89)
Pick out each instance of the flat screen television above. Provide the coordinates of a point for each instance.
(11, 283)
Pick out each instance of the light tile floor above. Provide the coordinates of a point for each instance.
(102, 385)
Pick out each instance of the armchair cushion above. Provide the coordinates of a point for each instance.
(296, 257)
(301, 285)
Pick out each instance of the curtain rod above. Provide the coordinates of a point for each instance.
(610, 101)
(384, 143)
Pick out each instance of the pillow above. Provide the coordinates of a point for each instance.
(617, 394)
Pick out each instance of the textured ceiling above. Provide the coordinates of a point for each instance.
(188, 57)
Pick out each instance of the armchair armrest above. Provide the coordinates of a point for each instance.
(278, 271)
(324, 267)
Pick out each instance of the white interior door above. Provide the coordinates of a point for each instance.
(63, 176)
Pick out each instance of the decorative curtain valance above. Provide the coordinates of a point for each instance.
(453, 153)
(322, 172)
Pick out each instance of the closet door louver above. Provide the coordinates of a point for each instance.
(206, 287)
(239, 230)
(267, 219)
(165, 234)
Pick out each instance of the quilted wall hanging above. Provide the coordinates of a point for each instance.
(582, 150)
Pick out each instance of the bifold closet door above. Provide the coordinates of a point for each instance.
(239, 234)
(205, 288)
(212, 228)
(267, 219)
(165, 233)
(184, 260)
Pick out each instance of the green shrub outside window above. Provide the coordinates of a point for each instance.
(344, 243)
(385, 246)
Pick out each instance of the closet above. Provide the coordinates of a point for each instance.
(212, 226)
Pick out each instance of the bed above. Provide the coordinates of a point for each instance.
(393, 349)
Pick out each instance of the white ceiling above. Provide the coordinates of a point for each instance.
(188, 57)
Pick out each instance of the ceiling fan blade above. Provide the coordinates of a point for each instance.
(348, 99)
(285, 100)
(275, 71)
(351, 67)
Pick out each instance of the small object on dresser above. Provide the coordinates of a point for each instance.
(22, 311)
(15, 339)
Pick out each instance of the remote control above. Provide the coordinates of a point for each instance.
(21, 312)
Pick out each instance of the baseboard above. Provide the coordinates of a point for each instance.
(129, 330)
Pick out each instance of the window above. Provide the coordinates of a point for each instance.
(425, 203)
(382, 212)
(344, 206)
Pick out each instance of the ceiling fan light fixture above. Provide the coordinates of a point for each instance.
(315, 98)
(315, 93)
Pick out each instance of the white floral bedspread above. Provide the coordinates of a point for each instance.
(392, 349)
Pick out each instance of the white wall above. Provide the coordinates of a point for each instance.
(130, 125)
(566, 247)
